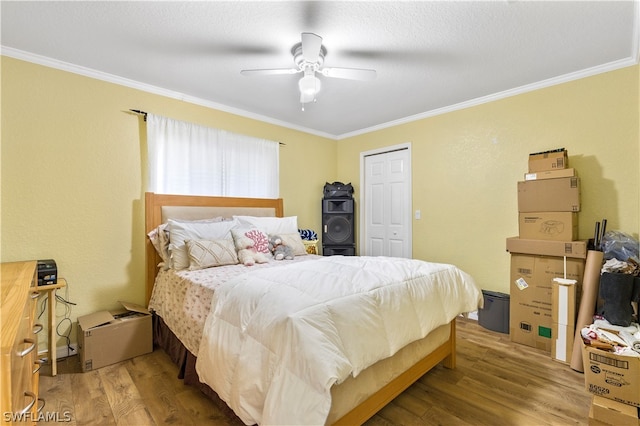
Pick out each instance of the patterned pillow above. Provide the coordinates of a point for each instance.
(160, 241)
(294, 241)
(251, 237)
(208, 253)
(180, 232)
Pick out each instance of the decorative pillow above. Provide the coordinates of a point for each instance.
(270, 225)
(160, 238)
(251, 237)
(160, 241)
(308, 234)
(180, 232)
(294, 241)
(208, 253)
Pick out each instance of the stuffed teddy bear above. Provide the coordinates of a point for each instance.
(278, 249)
(252, 246)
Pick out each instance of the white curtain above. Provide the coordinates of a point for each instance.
(185, 158)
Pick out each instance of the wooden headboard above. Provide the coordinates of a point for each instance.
(161, 207)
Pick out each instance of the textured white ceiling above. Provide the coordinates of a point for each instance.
(430, 56)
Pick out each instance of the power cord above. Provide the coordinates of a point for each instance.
(67, 318)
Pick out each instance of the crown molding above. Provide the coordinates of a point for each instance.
(99, 75)
(111, 78)
(500, 95)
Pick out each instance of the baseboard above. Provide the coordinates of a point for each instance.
(473, 315)
(63, 351)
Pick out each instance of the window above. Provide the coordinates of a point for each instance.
(185, 158)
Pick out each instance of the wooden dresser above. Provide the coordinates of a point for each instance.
(19, 371)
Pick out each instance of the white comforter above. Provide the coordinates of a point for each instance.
(277, 339)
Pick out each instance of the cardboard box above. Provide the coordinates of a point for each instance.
(550, 174)
(563, 315)
(612, 376)
(548, 160)
(610, 412)
(547, 247)
(549, 195)
(549, 226)
(531, 291)
(594, 422)
(106, 338)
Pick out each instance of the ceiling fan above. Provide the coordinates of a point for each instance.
(308, 56)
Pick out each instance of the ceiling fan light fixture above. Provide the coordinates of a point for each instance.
(309, 86)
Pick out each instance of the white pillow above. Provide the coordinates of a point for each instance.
(208, 253)
(270, 225)
(160, 238)
(180, 232)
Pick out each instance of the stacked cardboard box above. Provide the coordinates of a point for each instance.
(613, 377)
(607, 412)
(547, 248)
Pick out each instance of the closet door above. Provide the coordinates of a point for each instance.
(387, 203)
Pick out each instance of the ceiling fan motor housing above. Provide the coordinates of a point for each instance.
(298, 57)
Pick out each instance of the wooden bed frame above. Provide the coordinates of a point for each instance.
(445, 353)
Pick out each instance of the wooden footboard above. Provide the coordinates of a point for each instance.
(445, 353)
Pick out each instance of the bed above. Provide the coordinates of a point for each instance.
(181, 303)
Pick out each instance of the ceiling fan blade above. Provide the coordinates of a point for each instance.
(349, 73)
(275, 71)
(311, 45)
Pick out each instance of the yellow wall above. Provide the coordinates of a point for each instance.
(466, 165)
(74, 173)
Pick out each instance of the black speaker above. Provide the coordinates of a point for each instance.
(339, 250)
(338, 223)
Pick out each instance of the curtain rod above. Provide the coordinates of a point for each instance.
(137, 111)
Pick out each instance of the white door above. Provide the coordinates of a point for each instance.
(386, 197)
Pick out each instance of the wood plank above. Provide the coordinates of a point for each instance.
(437, 393)
(438, 416)
(59, 402)
(124, 399)
(202, 411)
(90, 402)
(158, 390)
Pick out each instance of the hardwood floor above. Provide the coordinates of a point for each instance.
(496, 382)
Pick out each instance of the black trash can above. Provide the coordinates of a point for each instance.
(495, 314)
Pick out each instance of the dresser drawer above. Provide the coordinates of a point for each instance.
(19, 381)
(23, 357)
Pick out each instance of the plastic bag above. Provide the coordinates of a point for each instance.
(621, 246)
(338, 190)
